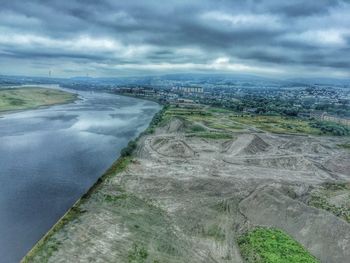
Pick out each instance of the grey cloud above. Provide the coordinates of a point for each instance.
(296, 8)
(255, 32)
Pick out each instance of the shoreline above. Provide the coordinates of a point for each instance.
(115, 168)
(139, 97)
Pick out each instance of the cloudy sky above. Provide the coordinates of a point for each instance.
(120, 38)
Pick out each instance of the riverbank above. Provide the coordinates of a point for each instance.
(50, 157)
(117, 167)
(188, 191)
(28, 98)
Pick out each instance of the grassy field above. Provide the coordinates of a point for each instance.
(212, 118)
(223, 120)
(31, 98)
(277, 124)
(266, 245)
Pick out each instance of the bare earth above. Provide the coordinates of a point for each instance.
(187, 199)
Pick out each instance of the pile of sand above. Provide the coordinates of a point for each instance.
(257, 145)
(302, 145)
(172, 147)
(246, 144)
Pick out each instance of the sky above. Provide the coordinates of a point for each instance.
(110, 38)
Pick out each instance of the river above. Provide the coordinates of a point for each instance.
(49, 157)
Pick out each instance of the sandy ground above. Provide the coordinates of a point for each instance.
(187, 199)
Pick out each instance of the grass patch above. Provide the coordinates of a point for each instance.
(268, 245)
(196, 128)
(32, 97)
(278, 124)
(219, 110)
(138, 254)
(212, 135)
(159, 119)
(214, 118)
(117, 167)
(115, 198)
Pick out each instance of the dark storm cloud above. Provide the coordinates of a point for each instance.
(127, 37)
(296, 8)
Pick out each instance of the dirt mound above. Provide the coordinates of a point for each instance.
(227, 146)
(246, 144)
(302, 145)
(172, 147)
(339, 164)
(257, 145)
(175, 125)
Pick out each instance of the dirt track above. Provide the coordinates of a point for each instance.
(186, 199)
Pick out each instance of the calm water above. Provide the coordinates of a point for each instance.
(50, 157)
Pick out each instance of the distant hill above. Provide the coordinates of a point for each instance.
(176, 79)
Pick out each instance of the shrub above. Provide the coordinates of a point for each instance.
(128, 150)
(331, 128)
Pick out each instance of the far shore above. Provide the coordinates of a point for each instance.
(13, 100)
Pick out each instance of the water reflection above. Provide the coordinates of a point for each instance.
(50, 157)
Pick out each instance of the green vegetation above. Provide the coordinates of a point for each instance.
(31, 98)
(117, 167)
(225, 120)
(322, 199)
(277, 124)
(157, 120)
(138, 254)
(268, 245)
(345, 145)
(114, 198)
(197, 128)
(213, 119)
(212, 135)
(271, 103)
(331, 128)
(128, 150)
